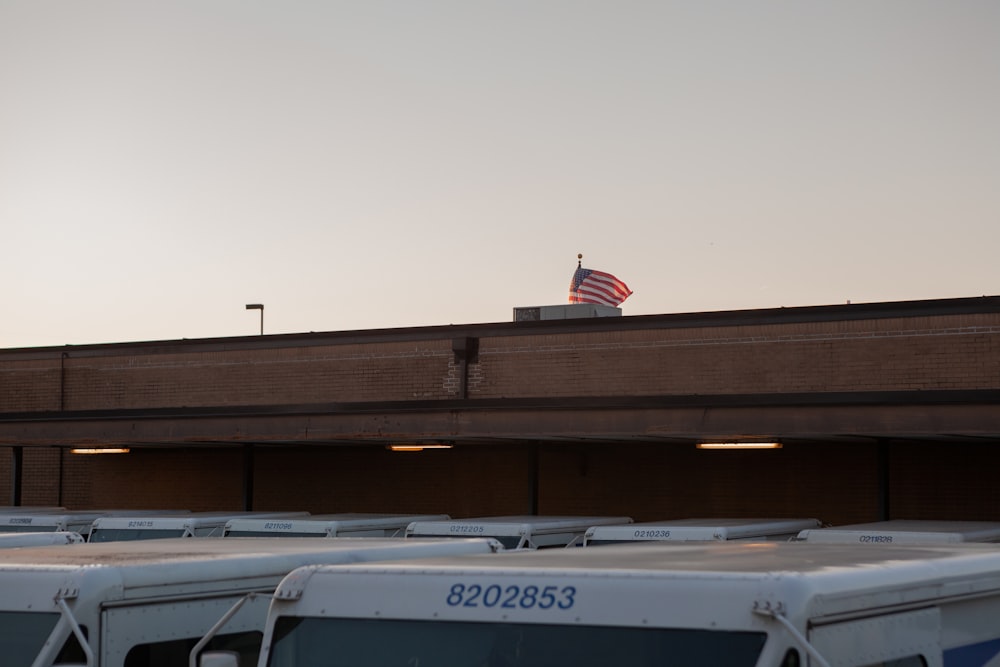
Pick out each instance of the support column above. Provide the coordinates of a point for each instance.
(248, 478)
(882, 468)
(62, 475)
(533, 480)
(16, 474)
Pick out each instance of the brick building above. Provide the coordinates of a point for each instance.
(883, 410)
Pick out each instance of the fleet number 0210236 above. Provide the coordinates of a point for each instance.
(511, 596)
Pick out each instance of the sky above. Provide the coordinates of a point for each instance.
(382, 164)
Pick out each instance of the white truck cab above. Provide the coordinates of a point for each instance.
(357, 524)
(77, 521)
(32, 522)
(733, 604)
(688, 530)
(517, 532)
(904, 531)
(11, 540)
(148, 603)
(194, 524)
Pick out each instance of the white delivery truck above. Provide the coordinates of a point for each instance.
(10, 540)
(148, 603)
(77, 521)
(517, 532)
(904, 531)
(692, 530)
(194, 524)
(710, 604)
(356, 524)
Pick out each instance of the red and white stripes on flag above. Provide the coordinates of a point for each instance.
(590, 286)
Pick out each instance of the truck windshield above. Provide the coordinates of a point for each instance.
(128, 534)
(337, 642)
(36, 528)
(22, 636)
(270, 533)
(507, 541)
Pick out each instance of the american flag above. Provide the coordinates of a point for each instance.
(590, 286)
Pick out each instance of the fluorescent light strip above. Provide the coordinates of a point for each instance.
(416, 448)
(99, 450)
(739, 445)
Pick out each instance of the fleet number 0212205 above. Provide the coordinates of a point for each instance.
(511, 596)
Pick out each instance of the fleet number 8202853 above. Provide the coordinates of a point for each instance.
(511, 597)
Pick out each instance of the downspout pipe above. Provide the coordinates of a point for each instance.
(466, 351)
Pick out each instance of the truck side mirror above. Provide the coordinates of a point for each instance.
(219, 659)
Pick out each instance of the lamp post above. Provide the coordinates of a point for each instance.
(260, 307)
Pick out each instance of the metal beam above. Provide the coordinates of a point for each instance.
(648, 419)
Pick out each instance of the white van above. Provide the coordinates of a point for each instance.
(76, 521)
(194, 524)
(11, 540)
(356, 524)
(147, 603)
(517, 532)
(732, 604)
(905, 531)
(689, 530)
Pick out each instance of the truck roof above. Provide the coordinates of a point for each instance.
(681, 530)
(905, 531)
(613, 583)
(63, 519)
(516, 531)
(742, 558)
(512, 525)
(137, 569)
(193, 518)
(328, 523)
(181, 522)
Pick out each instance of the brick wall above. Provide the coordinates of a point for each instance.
(466, 481)
(943, 352)
(834, 482)
(376, 372)
(649, 482)
(944, 481)
(30, 384)
(957, 352)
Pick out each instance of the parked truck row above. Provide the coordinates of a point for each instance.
(513, 532)
(412, 590)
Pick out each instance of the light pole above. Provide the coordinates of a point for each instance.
(260, 307)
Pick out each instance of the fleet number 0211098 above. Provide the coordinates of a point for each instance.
(511, 596)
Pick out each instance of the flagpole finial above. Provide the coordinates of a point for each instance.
(579, 259)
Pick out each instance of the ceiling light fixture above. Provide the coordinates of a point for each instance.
(99, 450)
(417, 447)
(739, 445)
